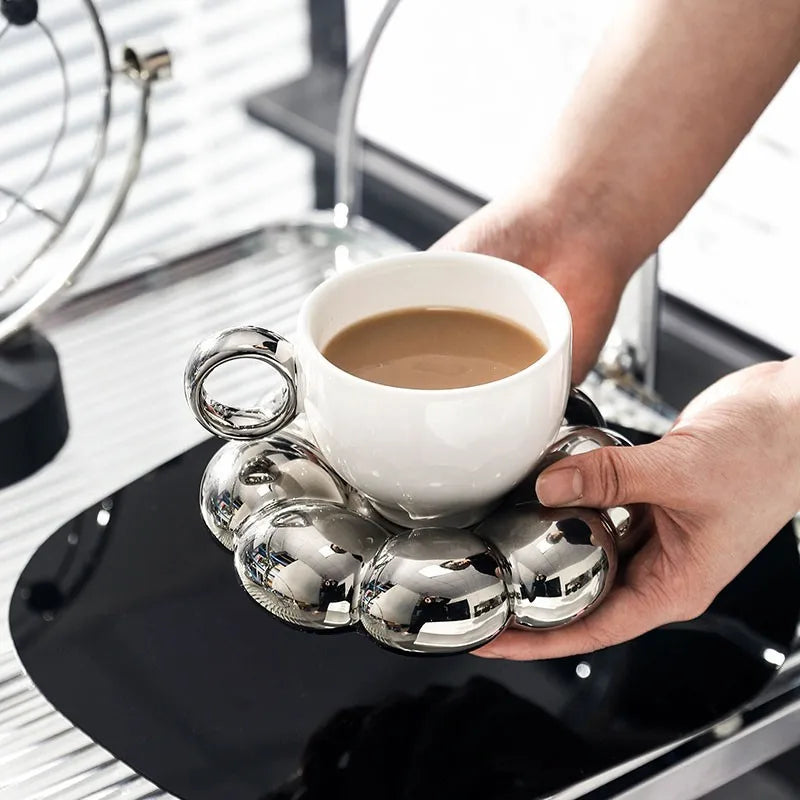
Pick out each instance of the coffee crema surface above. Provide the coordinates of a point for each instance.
(434, 348)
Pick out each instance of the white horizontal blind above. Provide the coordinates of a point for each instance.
(208, 169)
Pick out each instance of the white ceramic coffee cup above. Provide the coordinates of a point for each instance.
(418, 454)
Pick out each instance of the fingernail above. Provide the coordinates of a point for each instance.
(559, 487)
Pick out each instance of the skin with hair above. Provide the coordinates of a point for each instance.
(667, 98)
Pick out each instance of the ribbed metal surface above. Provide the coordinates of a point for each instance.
(122, 356)
(122, 353)
(208, 171)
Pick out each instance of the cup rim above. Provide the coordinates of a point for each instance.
(517, 271)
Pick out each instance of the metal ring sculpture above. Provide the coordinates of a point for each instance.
(32, 285)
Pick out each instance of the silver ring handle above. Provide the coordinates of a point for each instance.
(241, 423)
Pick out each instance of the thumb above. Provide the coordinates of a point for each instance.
(606, 477)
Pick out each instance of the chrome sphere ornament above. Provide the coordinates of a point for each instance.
(562, 562)
(435, 590)
(303, 561)
(573, 440)
(243, 477)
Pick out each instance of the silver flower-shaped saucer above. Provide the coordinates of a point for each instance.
(314, 552)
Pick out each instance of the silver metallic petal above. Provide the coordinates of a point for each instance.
(435, 590)
(244, 477)
(630, 522)
(562, 561)
(303, 561)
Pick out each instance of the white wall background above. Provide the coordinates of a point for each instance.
(468, 87)
(465, 87)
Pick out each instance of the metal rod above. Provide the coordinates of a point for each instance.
(65, 98)
(347, 198)
(25, 203)
(66, 275)
(98, 151)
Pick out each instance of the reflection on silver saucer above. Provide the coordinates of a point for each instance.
(303, 561)
(629, 522)
(243, 477)
(316, 553)
(562, 561)
(359, 504)
(435, 590)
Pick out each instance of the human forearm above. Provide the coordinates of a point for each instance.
(669, 95)
(672, 90)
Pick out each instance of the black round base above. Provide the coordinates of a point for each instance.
(19, 12)
(33, 413)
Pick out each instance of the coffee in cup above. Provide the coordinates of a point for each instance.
(434, 348)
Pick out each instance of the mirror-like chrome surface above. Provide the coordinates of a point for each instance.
(244, 477)
(630, 522)
(230, 422)
(562, 561)
(314, 552)
(303, 561)
(435, 590)
(576, 439)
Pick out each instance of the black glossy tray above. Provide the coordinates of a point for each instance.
(130, 621)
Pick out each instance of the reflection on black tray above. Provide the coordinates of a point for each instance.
(129, 621)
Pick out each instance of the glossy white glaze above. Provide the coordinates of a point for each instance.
(434, 453)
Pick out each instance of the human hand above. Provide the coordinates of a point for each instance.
(719, 485)
(530, 236)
